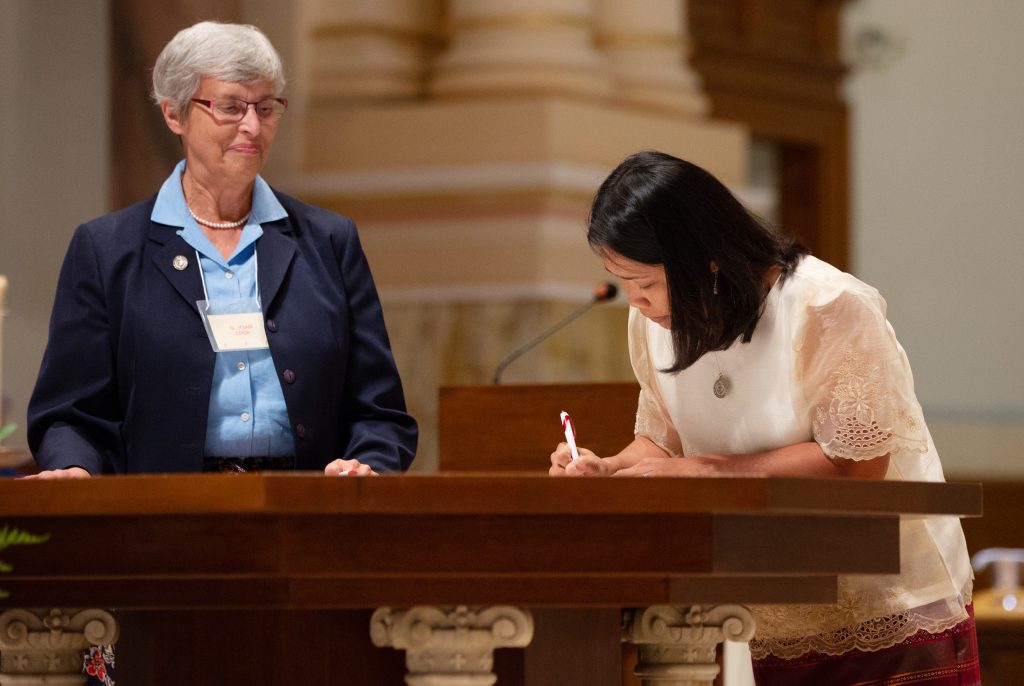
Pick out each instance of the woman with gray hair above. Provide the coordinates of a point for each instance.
(219, 325)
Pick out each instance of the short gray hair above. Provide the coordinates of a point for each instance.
(234, 53)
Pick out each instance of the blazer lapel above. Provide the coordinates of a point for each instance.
(276, 251)
(171, 253)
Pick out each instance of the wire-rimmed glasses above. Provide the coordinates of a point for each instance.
(233, 110)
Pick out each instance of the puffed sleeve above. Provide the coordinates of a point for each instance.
(855, 379)
(652, 418)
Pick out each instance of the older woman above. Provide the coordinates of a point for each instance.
(219, 325)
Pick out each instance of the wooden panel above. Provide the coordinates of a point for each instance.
(341, 592)
(744, 543)
(1000, 642)
(1002, 525)
(253, 647)
(774, 65)
(516, 427)
(537, 494)
(279, 493)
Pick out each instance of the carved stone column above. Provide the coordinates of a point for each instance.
(451, 646)
(676, 645)
(44, 647)
(516, 47)
(647, 46)
(370, 50)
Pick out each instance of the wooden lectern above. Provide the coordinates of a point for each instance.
(515, 428)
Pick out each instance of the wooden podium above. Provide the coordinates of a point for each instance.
(289, 546)
(515, 427)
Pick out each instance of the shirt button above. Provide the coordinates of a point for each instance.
(289, 376)
(272, 325)
(245, 416)
(229, 275)
(300, 430)
(241, 366)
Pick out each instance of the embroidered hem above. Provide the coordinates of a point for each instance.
(869, 636)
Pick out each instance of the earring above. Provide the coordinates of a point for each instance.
(714, 286)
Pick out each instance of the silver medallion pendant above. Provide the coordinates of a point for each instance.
(722, 386)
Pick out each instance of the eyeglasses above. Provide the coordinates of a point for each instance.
(233, 110)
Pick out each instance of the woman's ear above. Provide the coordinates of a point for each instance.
(714, 267)
(171, 117)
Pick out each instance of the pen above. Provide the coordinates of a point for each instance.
(570, 434)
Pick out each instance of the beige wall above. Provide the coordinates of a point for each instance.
(938, 162)
(53, 165)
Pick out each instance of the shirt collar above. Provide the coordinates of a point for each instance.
(171, 209)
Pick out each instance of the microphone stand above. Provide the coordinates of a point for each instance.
(518, 352)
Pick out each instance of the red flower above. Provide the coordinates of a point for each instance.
(95, 665)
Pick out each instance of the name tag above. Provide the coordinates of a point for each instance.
(233, 324)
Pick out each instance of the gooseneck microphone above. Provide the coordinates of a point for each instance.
(603, 292)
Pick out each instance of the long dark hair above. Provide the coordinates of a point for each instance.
(660, 210)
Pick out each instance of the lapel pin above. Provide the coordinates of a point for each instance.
(180, 262)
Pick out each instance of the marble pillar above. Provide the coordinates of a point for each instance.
(647, 46)
(371, 50)
(522, 48)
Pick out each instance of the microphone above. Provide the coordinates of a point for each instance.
(603, 292)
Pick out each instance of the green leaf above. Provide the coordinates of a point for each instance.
(9, 537)
(7, 430)
(4, 567)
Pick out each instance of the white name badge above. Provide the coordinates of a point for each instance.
(233, 324)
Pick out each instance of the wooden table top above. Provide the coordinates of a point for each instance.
(305, 541)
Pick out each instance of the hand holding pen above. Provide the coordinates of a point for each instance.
(569, 429)
(570, 460)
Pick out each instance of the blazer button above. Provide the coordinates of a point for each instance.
(272, 325)
(300, 430)
(289, 376)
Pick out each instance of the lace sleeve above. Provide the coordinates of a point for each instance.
(652, 418)
(856, 380)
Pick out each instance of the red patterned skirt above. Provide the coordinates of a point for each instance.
(949, 658)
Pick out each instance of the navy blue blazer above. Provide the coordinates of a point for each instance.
(125, 381)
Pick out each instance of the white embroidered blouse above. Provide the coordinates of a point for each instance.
(824, 365)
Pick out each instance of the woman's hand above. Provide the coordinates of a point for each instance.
(67, 473)
(589, 464)
(348, 468)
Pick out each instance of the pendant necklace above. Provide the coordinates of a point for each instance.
(722, 384)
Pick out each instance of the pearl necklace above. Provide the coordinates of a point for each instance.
(218, 225)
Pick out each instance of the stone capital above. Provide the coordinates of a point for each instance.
(452, 645)
(677, 646)
(45, 645)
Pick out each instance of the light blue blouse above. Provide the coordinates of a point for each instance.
(247, 414)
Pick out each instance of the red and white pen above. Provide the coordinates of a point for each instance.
(570, 434)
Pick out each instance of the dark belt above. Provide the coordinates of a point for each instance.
(247, 464)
